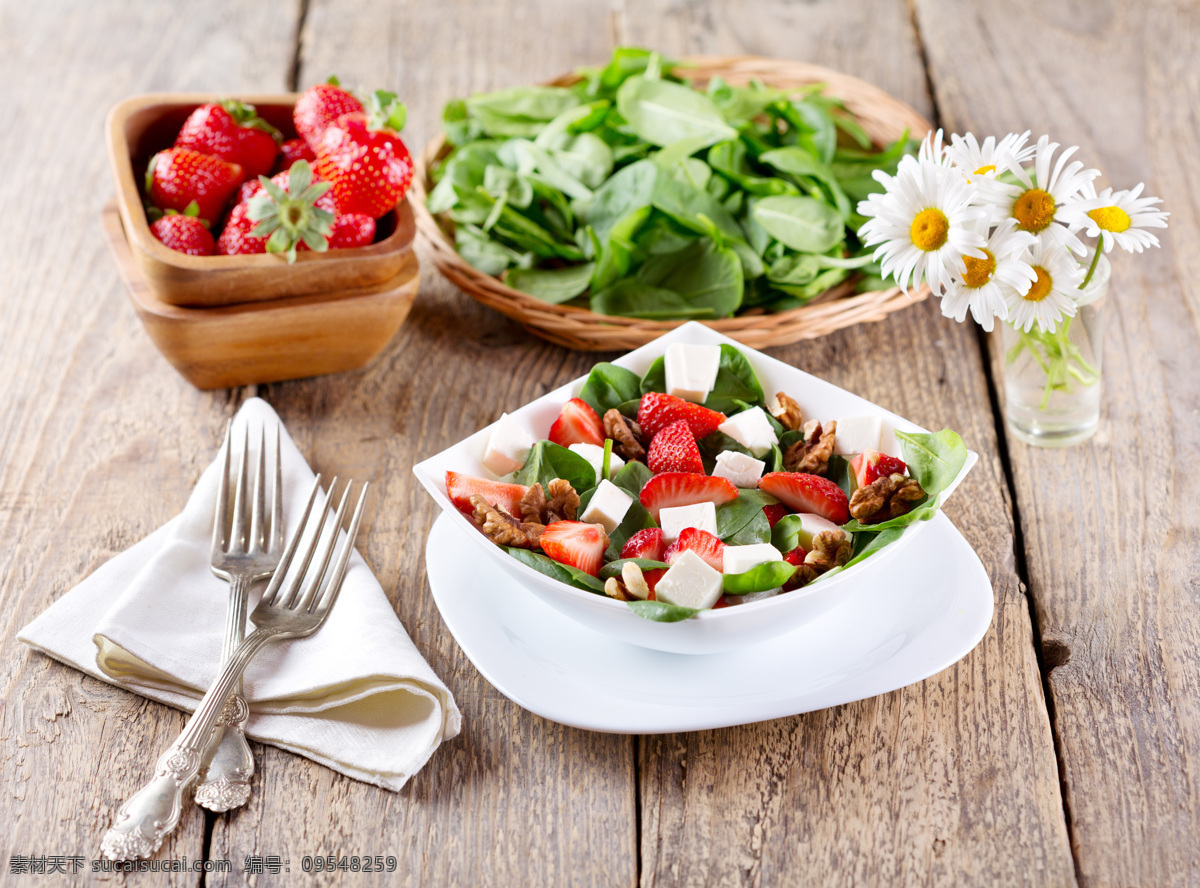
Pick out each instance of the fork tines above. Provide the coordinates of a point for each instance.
(299, 586)
(265, 532)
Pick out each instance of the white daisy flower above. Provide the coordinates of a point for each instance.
(980, 289)
(1051, 297)
(924, 223)
(932, 148)
(1121, 217)
(1036, 201)
(987, 160)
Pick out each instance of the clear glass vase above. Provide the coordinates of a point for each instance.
(1052, 380)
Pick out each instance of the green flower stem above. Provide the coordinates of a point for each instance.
(1095, 261)
(1060, 359)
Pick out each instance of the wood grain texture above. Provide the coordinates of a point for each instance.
(948, 782)
(100, 441)
(1112, 528)
(514, 799)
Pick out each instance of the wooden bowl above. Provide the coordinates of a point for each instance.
(286, 338)
(883, 117)
(142, 125)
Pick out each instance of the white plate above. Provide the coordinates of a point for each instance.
(927, 612)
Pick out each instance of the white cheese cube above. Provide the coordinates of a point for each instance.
(811, 525)
(751, 429)
(607, 506)
(595, 455)
(857, 433)
(751, 597)
(508, 447)
(692, 370)
(675, 519)
(690, 582)
(739, 559)
(737, 468)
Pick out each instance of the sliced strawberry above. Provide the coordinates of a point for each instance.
(721, 602)
(577, 424)
(683, 489)
(576, 543)
(774, 511)
(674, 450)
(460, 488)
(808, 493)
(703, 543)
(796, 556)
(646, 544)
(652, 577)
(871, 465)
(657, 411)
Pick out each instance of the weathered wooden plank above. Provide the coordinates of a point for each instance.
(1111, 527)
(948, 782)
(514, 799)
(100, 441)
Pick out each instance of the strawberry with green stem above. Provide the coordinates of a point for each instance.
(288, 218)
(364, 158)
(321, 105)
(184, 232)
(234, 132)
(177, 177)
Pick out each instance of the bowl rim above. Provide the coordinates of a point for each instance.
(691, 332)
(137, 227)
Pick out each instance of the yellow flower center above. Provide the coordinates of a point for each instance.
(1041, 287)
(1034, 210)
(984, 170)
(930, 229)
(1110, 218)
(979, 271)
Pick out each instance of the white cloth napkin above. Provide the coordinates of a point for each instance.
(356, 696)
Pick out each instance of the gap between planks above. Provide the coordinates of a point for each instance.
(1019, 560)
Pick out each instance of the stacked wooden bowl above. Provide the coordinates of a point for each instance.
(225, 321)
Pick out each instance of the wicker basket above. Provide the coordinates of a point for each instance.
(883, 117)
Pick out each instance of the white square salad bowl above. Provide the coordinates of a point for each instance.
(709, 631)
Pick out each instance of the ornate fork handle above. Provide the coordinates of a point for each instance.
(154, 810)
(228, 762)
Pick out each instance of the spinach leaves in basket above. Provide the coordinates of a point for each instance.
(634, 193)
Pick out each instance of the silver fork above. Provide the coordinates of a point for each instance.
(294, 605)
(243, 552)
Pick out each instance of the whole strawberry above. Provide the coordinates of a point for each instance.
(352, 230)
(236, 238)
(178, 176)
(291, 217)
(293, 150)
(370, 169)
(234, 132)
(185, 234)
(320, 106)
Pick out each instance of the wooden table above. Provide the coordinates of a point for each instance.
(1064, 750)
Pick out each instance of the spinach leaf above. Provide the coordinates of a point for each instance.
(742, 522)
(703, 275)
(632, 478)
(690, 206)
(489, 256)
(736, 381)
(760, 578)
(556, 286)
(629, 189)
(548, 461)
(785, 535)
(729, 159)
(564, 573)
(613, 568)
(608, 386)
(655, 379)
(660, 611)
(802, 223)
(636, 299)
(662, 112)
(714, 444)
(616, 257)
(841, 474)
(867, 544)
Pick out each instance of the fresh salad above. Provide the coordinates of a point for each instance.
(634, 193)
(685, 490)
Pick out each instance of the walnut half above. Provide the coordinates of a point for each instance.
(562, 504)
(812, 455)
(831, 548)
(626, 436)
(787, 411)
(502, 528)
(884, 498)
